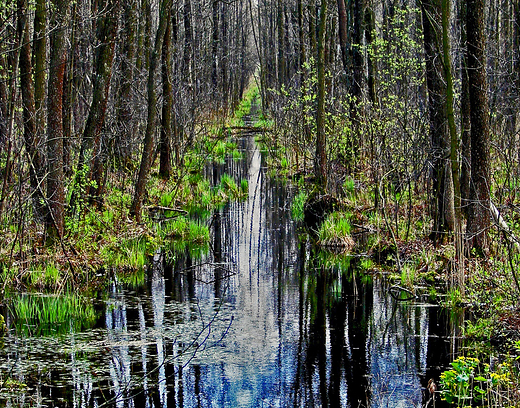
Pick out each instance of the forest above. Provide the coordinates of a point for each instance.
(395, 124)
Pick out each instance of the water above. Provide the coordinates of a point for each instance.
(257, 322)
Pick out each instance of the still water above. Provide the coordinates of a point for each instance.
(258, 321)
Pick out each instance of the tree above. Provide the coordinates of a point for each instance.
(439, 136)
(320, 164)
(125, 102)
(465, 118)
(106, 28)
(478, 214)
(165, 150)
(31, 134)
(55, 177)
(40, 60)
(146, 158)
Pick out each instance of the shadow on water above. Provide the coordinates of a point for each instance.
(259, 321)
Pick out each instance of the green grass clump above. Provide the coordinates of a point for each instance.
(47, 314)
(183, 229)
(298, 205)
(335, 230)
(129, 253)
(349, 187)
(244, 186)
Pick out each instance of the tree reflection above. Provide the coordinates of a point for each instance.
(334, 309)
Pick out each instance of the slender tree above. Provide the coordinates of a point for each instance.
(165, 145)
(31, 135)
(439, 136)
(125, 103)
(55, 177)
(148, 148)
(479, 215)
(321, 141)
(465, 118)
(40, 60)
(107, 25)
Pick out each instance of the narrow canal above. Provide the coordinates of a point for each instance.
(257, 321)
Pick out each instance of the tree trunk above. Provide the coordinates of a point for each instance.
(370, 30)
(343, 35)
(465, 118)
(439, 136)
(320, 164)
(454, 209)
(165, 150)
(40, 59)
(479, 216)
(188, 44)
(125, 104)
(91, 140)
(31, 136)
(148, 148)
(281, 49)
(214, 46)
(55, 177)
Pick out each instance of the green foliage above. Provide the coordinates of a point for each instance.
(469, 382)
(187, 230)
(39, 314)
(129, 253)
(244, 107)
(408, 276)
(244, 187)
(298, 205)
(366, 264)
(134, 278)
(349, 186)
(481, 328)
(336, 227)
(79, 192)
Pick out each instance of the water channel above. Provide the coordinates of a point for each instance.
(257, 321)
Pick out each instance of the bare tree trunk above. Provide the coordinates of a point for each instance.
(465, 115)
(55, 177)
(188, 43)
(40, 59)
(106, 33)
(371, 65)
(343, 35)
(31, 136)
(214, 46)
(165, 150)
(321, 142)
(125, 118)
(453, 205)
(280, 25)
(479, 215)
(439, 136)
(148, 148)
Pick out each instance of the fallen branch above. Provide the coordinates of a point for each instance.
(156, 208)
(395, 292)
(502, 224)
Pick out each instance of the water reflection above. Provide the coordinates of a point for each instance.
(257, 322)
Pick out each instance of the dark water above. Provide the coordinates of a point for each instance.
(257, 322)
